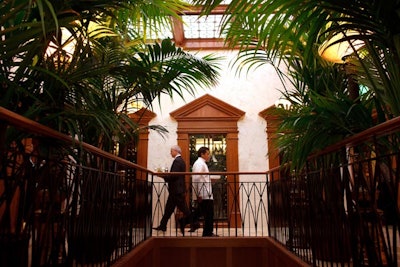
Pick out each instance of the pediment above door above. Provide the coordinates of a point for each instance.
(143, 116)
(209, 108)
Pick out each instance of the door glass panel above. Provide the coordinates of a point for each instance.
(217, 145)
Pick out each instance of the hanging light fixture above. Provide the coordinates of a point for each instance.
(65, 48)
(340, 46)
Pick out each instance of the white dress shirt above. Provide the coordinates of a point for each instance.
(202, 182)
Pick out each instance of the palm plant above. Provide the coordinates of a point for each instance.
(325, 107)
(82, 91)
(292, 32)
(321, 116)
(75, 66)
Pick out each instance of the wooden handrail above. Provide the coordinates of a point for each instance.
(37, 128)
(34, 127)
(161, 174)
(384, 128)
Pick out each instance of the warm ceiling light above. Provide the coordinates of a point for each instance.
(66, 47)
(336, 51)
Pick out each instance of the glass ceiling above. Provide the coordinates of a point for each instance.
(196, 32)
(202, 27)
(195, 27)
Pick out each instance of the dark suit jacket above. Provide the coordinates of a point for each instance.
(176, 183)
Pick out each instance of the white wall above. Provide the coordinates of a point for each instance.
(251, 93)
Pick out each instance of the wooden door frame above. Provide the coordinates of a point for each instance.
(273, 122)
(142, 117)
(209, 115)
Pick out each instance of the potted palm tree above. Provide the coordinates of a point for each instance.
(325, 107)
(75, 67)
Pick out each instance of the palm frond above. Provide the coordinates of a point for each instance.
(166, 69)
(81, 91)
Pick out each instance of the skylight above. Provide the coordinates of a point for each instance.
(195, 32)
(202, 27)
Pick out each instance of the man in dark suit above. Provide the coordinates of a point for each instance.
(177, 192)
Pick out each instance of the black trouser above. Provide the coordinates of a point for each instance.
(207, 210)
(176, 200)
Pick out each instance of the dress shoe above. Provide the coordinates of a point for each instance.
(194, 227)
(160, 228)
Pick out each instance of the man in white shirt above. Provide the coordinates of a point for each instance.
(203, 190)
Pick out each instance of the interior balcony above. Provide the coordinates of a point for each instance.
(99, 209)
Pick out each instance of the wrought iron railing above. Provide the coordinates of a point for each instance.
(342, 209)
(245, 212)
(71, 204)
(65, 203)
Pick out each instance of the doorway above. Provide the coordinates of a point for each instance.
(217, 145)
(211, 119)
